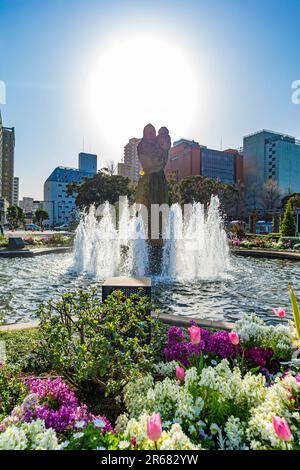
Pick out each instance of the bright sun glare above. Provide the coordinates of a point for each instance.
(139, 80)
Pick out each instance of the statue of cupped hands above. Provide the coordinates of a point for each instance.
(153, 149)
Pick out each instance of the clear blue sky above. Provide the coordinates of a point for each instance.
(246, 56)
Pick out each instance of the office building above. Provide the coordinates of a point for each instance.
(87, 162)
(16, 191)
(60, 206)
(124, 170)
(189, 158)
(3, 208)
(270, 155)
(131, 160)
(7, 151)
(27, 204)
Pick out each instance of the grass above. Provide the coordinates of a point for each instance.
(20, 347)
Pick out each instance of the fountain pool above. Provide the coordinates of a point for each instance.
(249, 285)
(198, 277)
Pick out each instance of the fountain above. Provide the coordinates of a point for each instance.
(189, 245)
(104, 251)
(196, 246)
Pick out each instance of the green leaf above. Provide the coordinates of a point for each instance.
(295, 308)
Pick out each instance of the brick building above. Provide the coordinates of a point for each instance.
(189, 158)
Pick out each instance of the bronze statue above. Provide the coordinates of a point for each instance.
(153, 151)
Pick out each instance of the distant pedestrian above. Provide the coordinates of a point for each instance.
(2, 230)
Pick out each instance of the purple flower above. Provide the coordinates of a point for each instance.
(52, 401)
(219, 344)
(259, 355)
(179, 348)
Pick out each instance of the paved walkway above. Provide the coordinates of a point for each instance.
(176, 320)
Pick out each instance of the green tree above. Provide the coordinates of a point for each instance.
(294, 198)
(197, 189)
(101, 188)
(200, 189)
(15, 215)
(172, 188)
(41, 215)
(288, 225)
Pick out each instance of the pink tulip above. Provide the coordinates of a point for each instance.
(281, 428)
(180, 373)
(154, 427)
(297, 377)
(280, 312)
(195, 334)
(234, 338)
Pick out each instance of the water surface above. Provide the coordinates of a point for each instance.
(250, 285)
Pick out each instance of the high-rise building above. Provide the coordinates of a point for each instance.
(131, 159)
(27, 204)
(60, 206)
(124, 170)
(3, 208)
(16, 191)
(189, 158)
(87, 162)
(270, 155)
(7, 151)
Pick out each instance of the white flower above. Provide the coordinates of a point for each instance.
(80, 424)
(260, 429)
(29, 436)
(123, 445)
(99, 423)
(166, 369)
(64, 444)
(235, 434)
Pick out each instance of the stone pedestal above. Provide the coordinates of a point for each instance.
(127, 285)
(16, 243)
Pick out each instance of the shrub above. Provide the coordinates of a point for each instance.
(12, 390)
(23, 350)
(99, 343)
(288, 225)
(60, 240)
(3, 242)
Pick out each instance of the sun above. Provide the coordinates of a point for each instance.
(141, 79)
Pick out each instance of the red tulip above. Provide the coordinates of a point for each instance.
(280, 312)
(234, 338)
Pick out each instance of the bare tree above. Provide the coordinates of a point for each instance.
(110, 168)
(270, 195)
(253, 197)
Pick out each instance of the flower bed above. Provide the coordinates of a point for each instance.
(267, 243)
(192, 389)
